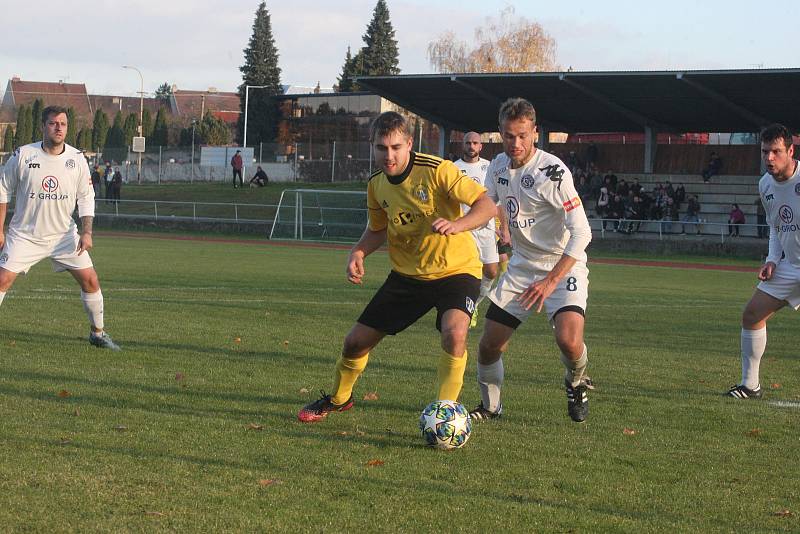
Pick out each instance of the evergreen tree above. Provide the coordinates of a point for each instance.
(129, 128)
(23, 133)
(36, 119)
(160, 133)
(260, 68)
(380, 47)
(84, 139)
(213, 131)
(99, 130)
(72, 127)
(147, 123)
(116, 135)
(349, 70)
(163, 93)
(8, 139)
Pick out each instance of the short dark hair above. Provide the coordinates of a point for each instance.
(388, 122)
(776, 131)
(53, 110)
(515, 109)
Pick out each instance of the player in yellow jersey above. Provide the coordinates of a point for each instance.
(414, 203)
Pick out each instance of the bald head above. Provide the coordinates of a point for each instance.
(472, 147)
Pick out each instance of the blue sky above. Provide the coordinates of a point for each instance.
(196, 44)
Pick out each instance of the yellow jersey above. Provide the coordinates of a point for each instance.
(406, 206)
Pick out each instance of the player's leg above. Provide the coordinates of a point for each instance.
(93, 304)
(17, 256)
(6, 281)
(758, 310)
(455, 299)
(497, 332)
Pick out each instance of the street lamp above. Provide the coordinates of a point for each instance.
(246, 102)
(141, 113)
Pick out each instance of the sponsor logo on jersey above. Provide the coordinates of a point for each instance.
(470, 306)
(797, 189)
(385, 204)
(70, 164)
(512, 208)
(34, 165)
(786, 214)
(31, 158)
(554, 172)
(50, 184)
(770, 197)
(405, 217)
(421, 193)
(3, 257)
(572, 203)
(483, 168)
(526, 181)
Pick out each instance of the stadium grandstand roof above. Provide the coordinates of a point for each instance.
(669, 101)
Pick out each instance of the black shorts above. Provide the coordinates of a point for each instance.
(401, 300)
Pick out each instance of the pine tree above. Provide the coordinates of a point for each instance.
(36, 119)
(147, 123)
(260, 68)
(160, 134)
(116, 135)
(213, 131)
(23, 133)
(72, 127)
(163, 93)
(8, 139)
(349, 70)
(380, 55)
(84, 139)
(129, 127)
(99, 130)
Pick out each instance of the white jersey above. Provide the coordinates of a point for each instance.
(47, 189)
(545, 215)
(782, 203)
(477, 171)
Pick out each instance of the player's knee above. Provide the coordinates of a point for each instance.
(6, 280)
(354, 346)
(570, 344)
(752, 317)
(490, 270)
(454, 340)
(489, 351)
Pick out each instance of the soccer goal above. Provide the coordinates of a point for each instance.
(320, 215)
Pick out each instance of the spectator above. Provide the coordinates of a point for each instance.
(602, 204)
(669, 189)
(622, 188)
(116, 186)
(735, 219)
(591, 155)
(260, 179)
(108, 174)
(595, 183)
(636, 187)
(96, 181)
(670, 214)
(237, 164)
(582, 187)
(634, 213)
(692, 214)
(680, 195)
(714, 166)
(611, 178)
(761, 215)
(616, 210)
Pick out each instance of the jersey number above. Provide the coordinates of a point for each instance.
(572, 284)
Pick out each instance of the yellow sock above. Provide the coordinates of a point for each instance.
(503, 266)
(451, 376)
(347, 372)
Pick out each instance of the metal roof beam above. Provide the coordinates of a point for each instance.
(407, 104)
(744, 113)
(638, 118)
(483, 93)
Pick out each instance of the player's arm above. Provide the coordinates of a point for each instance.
(463, 189)
(774, 255)
(85, 194)
(9, 176)
(480, 212)
(503, 232)
(371, 240)
(538, 291)
(3, 212)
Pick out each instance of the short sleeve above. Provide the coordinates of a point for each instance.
(376, 214)
(459, 186)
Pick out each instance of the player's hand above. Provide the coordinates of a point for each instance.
(2, 240)
(445, 227)
(84, 244)
(505, 236)
(537, 293)
(355, 268)
(766, 271)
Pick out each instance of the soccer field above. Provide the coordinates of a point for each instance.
(193, 426)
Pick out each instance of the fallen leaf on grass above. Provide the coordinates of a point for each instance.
(343, 433)
(266, 482)
(303, 391)
(121, 428)
(179, 376)
(237, 340)
(12, 344)
(285, 342)
(255, 426)
(375, 463)
(77, 412)
(64, 441)
(371, 396)
(775, 386)
(628, 431)
(154, 514)
(64, 394)
(783, 513)
(754, 433)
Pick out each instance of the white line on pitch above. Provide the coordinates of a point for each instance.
(785, 404)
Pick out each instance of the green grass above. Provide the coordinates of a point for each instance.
(220, 336)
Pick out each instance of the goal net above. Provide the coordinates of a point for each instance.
(320, 215)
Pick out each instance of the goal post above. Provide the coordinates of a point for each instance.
(320, 215)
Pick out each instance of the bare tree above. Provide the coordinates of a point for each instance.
(507, 44)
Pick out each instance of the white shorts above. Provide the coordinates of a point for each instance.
(20, 254)
(572, 290)
(784, 284)
(486, 241)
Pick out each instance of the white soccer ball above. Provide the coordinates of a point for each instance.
(445, 424)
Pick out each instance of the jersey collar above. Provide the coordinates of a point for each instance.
(400, 178)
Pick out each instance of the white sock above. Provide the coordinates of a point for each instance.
(2, 296)
(93, 304)
(753, 344)
(575, 369)
(490, 380)
(486, 286)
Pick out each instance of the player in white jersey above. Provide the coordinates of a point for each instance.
(474, 166)
(549, 233)
(49, 179)
(779, 189)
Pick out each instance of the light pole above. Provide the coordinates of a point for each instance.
(244, 136)
(141, 113)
